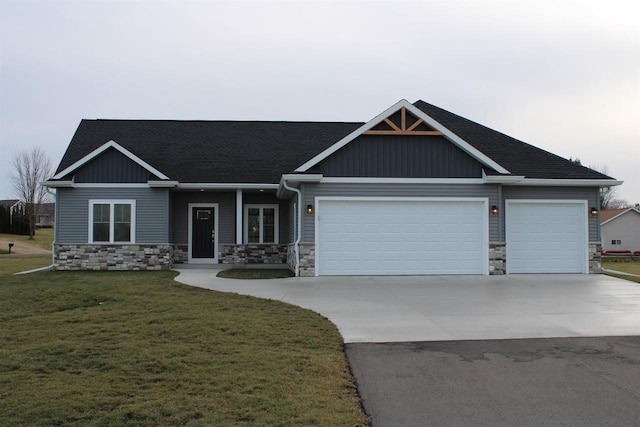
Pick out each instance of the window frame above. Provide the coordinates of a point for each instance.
(112, 203)
(276, 223)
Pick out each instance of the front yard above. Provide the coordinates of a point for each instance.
(137, 348)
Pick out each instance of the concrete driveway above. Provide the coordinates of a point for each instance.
(446, 308)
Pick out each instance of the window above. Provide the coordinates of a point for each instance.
(112, 221)
(616, 242)
(261, 223)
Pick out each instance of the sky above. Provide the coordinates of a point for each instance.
(561, 75)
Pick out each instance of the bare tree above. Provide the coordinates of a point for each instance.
(608, 195)
(31, 168)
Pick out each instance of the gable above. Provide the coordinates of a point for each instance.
(397, 155)
(404, 119)
(110, 166)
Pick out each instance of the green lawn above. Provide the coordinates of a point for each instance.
(255, 273)
(42, 239)
(627, 267)
(137, 348)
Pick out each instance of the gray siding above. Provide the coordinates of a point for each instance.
(112, 166)
(310, 191)
(226, 214)
(180, 214)
(152, 208)
(401, 157)
(590, 194)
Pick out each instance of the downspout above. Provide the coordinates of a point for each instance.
(296, 244)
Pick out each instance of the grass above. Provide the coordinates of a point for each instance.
(42, 239)
(255, 273)
(137, 348)
(632, 267)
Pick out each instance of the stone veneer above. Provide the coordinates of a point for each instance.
(497, 259)
(129, 256)
(595, 257)
(252, 254)
(307, 259)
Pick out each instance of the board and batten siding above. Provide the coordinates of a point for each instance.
(152, 210)
(401, 157)
(590, 194)
(311, 191)
(111, 167)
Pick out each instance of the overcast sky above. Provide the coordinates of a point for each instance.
(561, 75)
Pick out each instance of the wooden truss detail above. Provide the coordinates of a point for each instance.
(402, 122)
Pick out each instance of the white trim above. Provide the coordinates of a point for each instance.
(619, 215)
(112, 203)
(112, 185)
(276, 231)
(162, 184)
(455, 139)
(57, 184)
(502, 179)
(585, 231)
(226, 186)
(367, 180)
(298, 177)
(103, 148)
(543, 182)
(190, 259)
(483, 200)
(239, 223)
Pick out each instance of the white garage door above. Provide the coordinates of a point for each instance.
(396, 237)
(546, 237)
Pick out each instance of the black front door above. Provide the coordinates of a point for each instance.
(204, 233)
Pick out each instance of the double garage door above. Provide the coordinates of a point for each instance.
(401, 237)
(404, 237)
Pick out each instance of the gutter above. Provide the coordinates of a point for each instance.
(299, 236)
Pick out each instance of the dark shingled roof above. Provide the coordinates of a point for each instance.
(260, 152)
(519, 158)
(212, 151)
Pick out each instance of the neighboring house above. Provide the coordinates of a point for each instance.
(620, 229)
(10, 205)
(415, 190)
(46, 215)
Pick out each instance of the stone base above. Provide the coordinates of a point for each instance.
(113, 256)
(252, 254)
(497, 258)
(595, 258)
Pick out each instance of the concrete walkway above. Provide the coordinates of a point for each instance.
(445, 308)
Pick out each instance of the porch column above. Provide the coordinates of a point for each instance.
(239, 222)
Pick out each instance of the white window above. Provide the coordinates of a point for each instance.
(261, 223)
(112, 221)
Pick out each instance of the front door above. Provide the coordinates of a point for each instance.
(202, 241)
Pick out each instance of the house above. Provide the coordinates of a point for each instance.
(415, 190)
(10, 206)
(46, 215)
(620, 229)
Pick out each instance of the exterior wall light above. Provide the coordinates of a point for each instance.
(494, 210)
(309, 209)
(593, 211)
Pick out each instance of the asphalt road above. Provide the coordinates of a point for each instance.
(528, 382)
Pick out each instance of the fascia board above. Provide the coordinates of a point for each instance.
(294, 177)
(226, 186)
(455, 139)
(569, 182)
(57, 184)
(162, 184)
(103, 148)
(499, 179)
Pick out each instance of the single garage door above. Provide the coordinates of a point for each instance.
(396, 237)
(546, 237)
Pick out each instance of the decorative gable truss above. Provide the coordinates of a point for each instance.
(402, 122)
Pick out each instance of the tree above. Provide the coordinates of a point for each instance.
(31, 168)
(608, 195)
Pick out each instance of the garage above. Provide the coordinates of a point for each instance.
(546, 236)
(390, 236)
